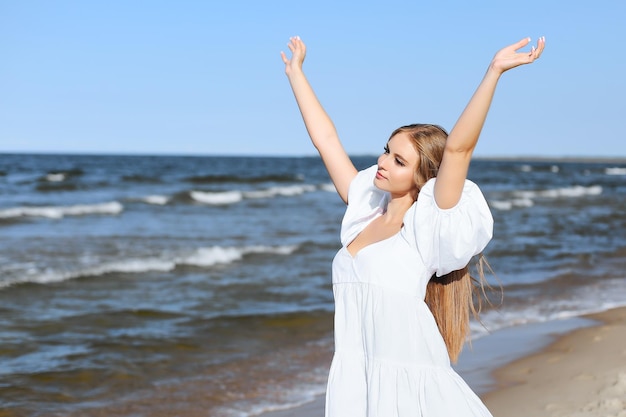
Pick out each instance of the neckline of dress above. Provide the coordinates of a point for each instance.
(353, 257)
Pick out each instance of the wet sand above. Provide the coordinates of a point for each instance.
(581, 373)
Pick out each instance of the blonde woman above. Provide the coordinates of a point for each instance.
(401, 284)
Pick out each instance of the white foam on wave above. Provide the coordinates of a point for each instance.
(55, 177)
(329, 187)
(133, 266)
(48, 276)
(202, 257)
(574, 191)
(57, 212)
(285, 191)
(217, 198)
(159, 200)
(529, 168)
(509, 204)
(214, 255)
(294, 397)
(615, 171)
(235, 196)
(303, 389)
(525, 198)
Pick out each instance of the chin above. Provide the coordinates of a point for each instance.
(379, 183)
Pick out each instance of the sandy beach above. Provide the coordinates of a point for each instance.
(580, 374)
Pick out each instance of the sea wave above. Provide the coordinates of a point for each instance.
(57, 186)
(138, 178)
(286, 191)
(214, 255)
(201, 257)
(58, 176)
(218, 198)
(55, 177)
(510, 204)
(615, 171)
(159, 200)
(294, 396)
(525, 198)
(492, 321)
(529, 168)
(329, 187)
(564, 192)
(219, 179)
(576, 302)
(57, 212)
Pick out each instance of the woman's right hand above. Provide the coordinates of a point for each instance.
(298, 52)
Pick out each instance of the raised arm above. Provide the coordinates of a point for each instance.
(320, 127)
(464, 136)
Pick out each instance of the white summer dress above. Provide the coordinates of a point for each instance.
(390, 358)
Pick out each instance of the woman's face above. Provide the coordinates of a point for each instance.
(396, 167)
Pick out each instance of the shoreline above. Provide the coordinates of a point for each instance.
(573, 367)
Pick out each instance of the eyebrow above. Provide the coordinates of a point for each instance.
(397, 155)
(401, 157)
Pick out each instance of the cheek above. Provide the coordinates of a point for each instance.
(408, 176)
(408, 179)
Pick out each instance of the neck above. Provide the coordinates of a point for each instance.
(397, 208)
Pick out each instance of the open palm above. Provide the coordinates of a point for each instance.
(298, 52)
(508, 57)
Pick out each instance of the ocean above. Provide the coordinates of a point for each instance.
(172, 285)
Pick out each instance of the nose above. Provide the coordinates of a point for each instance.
(382, 161)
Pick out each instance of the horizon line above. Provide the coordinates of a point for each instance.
(526, 157)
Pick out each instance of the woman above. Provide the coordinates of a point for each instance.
(400, 281)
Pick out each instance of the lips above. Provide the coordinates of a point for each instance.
(380, 176)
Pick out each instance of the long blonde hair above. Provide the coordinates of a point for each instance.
(450, 297)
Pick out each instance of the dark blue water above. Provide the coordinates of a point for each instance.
(142, 285)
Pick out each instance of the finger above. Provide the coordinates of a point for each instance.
(521, 43)
(536, 52)
(541, 44)
(284, 57)
(300, 47)
(299, 42)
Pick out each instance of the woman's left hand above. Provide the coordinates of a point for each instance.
(508, 57)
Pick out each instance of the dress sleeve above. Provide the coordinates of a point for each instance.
(365, 203)
(447, 239)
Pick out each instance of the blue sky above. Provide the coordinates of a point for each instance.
(205, 77)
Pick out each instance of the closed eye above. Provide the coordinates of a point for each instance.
(397, 160)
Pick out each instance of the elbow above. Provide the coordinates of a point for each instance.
(458, 149)
(324, 140)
